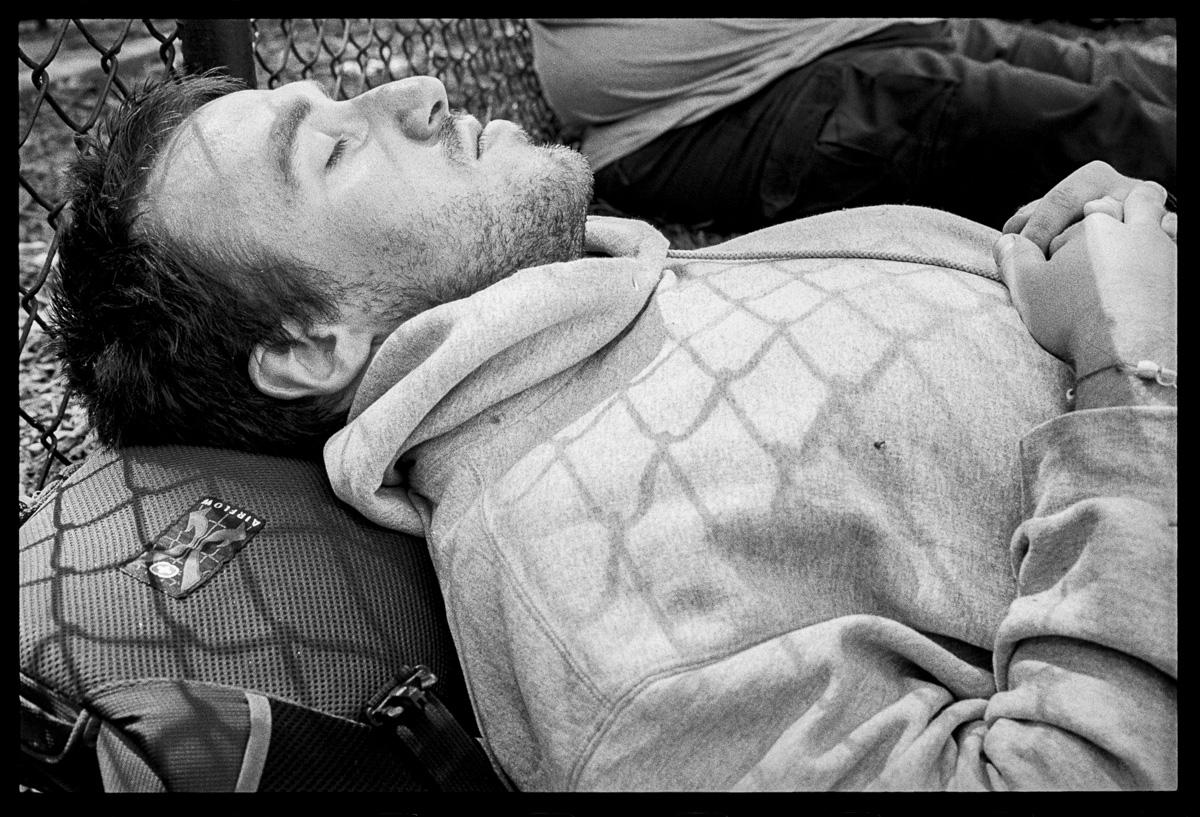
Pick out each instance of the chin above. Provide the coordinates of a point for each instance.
(551, 210)
(577, 181)
(534, 214)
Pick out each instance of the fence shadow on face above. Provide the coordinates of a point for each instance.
(78, 68)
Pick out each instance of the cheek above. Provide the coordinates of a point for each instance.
(373, 232)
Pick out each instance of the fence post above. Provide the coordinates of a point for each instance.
(222, 44)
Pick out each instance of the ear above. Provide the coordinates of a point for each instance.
(322, 359)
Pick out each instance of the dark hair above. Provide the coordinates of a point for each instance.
(155, 335)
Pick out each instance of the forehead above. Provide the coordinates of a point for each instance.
(222, 134)
(214, 165)
(248, 113)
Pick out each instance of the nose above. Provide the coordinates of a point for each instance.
(417, 104)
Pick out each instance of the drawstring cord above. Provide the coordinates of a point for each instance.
(1146, 369)
(789, 255)
(874, 255)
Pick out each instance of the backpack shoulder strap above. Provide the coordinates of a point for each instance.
(57, 740)
(256, 742)
(453, 760)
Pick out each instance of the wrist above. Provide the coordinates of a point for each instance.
(1126, 385)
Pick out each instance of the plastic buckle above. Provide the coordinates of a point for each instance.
(407, 692)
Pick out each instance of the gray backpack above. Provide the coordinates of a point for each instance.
(194, 619)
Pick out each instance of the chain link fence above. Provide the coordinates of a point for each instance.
(71, 70)
(486, 65)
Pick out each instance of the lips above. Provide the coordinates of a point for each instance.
(480, 138)
(492, 131)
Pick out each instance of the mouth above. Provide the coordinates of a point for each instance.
(497, 129)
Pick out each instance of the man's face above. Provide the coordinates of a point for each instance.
(404, 203)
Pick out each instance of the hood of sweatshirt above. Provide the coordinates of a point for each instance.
(444, 366)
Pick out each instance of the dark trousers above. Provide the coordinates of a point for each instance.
(975, 117)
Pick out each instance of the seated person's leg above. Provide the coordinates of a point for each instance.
(929, 127)
(709, 172)
(734, 169)
(881, 123)
(1008, 132)
(1084, 60)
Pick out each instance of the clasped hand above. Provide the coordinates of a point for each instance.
(1091, 268)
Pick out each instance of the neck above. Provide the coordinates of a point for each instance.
(448, 364)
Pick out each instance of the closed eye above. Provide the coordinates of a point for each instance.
(338, 149)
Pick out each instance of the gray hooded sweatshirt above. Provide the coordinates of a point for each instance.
(812, 515)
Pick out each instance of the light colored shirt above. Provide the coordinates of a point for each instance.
(622, 83)
(812, 522)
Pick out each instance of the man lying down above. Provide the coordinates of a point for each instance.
(872, 500)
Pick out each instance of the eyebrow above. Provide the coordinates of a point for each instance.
(281, 139)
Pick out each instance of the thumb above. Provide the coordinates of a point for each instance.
(1016, 258)
(1036, 291)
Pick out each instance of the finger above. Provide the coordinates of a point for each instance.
(1063, 205)
(1170, 225)
(1065, 237)
(1018, 259)
(1146, 204)
(1018, 219)
(1107, 205)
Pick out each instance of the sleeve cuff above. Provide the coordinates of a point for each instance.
(1128, 451)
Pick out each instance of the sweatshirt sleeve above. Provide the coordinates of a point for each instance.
(1083, 695)
(1086, 658)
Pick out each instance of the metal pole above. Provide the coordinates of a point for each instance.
(222, 44)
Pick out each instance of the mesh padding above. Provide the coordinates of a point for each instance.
(320, 608)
